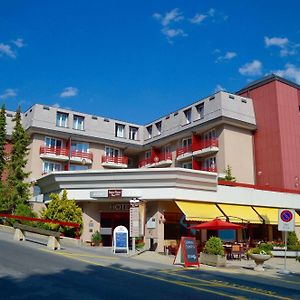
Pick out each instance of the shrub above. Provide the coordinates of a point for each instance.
(292, 239)
(96, 238)
(65, 210)
(263, 248)
(214, 246)
(24, 210)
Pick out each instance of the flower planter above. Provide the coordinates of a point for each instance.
(259, 260)
(212, 260)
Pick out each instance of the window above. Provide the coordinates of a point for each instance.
(51, 167)
(200, 110)
(148, 154)
(158, 127)
(149, 131)
(78, 122)
(188, 116)
(133, 133)
(61, 119)
(209, 135)
(80, 147)
(168, 149)
(210, 164)
(120, 130)
(112, 152)
(52, 142)
(187, 165)
(187, 142)
(78, 167)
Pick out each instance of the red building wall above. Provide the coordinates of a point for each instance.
(277, 139)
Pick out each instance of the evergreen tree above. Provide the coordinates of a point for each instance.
(2, 140)
(17, 190)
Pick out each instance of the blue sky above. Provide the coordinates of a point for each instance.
(139, 60)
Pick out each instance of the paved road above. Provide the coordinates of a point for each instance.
(29, 271)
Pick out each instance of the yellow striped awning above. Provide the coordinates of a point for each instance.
(199, 211)
(270, 215)
(240, 213)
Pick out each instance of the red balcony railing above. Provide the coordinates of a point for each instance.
(54, 150)
(211, 169)
(122, 160)
(145, 162)
(183, 150)
(209, 143)
(83, 155)
(162, 157)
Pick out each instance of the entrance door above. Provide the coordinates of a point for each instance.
(112, 220)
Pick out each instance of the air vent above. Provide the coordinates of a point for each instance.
(30, 110)
(231, 97)
(9, 115)
(176, 113)
(46, 107)
(106, 120)
(244, 100)
(94, 118)
(212, 98)
(168, 117)
(26, 115)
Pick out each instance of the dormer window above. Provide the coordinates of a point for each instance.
(120, 130)
(78, 122)
(149, 131)
(188, 116)
(62, 119)
(133, 133)
(158, 127)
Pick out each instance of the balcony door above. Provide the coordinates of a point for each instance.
(52, 143)
(112, 152)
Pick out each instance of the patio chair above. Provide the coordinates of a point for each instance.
(236, 252)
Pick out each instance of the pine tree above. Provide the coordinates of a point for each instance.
(17, 190)
(2, 140)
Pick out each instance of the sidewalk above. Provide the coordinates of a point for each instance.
(243, 266)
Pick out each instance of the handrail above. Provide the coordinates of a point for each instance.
(70, 224)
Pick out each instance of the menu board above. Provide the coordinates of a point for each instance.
(120, 239)
(187, 252)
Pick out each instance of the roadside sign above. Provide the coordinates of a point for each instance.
(120, 239)
(286, 220)
(187, 252)
(134, 218)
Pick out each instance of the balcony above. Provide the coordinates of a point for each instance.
(162, 160)
(53, 153)
(211, 169)
(208, 147)
(159, 160)
(145, 163)
(81, 157)
(184, 153)
(117, 162)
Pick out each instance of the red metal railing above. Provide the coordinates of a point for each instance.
(162, 157)
(211, 169)
(122, 160)
(145, 162)
(54, 150)
(209, 143)
(71, 224)
(80, 154)
(183, 150)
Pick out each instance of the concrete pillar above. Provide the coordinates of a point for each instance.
(19, 236)
(53, 243)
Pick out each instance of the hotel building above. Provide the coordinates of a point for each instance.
(174, 166)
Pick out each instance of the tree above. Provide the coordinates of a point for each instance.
(228, 174)
(2, 140)
(17, 189)
(64, 210)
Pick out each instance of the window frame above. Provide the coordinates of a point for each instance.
(59, 119)
(76, 123)
(117, 127)
(133, 133)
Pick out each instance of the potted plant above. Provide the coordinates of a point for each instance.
(96, 238)
(260, 254)
(213, 253)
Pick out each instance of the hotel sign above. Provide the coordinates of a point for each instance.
(114, 193)
(106, 194)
